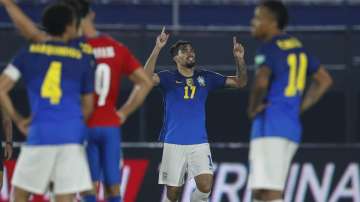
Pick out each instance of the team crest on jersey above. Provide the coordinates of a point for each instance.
(201, 81)
(190, 82)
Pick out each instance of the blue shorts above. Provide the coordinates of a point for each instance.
(104, 153)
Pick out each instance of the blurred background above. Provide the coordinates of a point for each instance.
(330, 29)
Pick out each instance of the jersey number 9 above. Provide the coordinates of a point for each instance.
(102, 82)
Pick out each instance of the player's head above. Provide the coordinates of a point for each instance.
(183, 54)
(82, 7)
(270, 16)
(60, 20)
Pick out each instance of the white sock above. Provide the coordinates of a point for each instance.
(198, 196)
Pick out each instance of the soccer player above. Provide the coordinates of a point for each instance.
(8, 149)
(277, 99)
(60, 83)
(113, 60)
(185, 90)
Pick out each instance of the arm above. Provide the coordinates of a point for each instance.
(7, 125)
(321, 82)
(151, 62)
(22, 22)
(142, 87)
(240, 80)
(87, 103)
(259, 91)
(6, 85)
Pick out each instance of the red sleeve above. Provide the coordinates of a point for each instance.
(130, 62)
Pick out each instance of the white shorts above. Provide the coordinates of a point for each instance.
(180, 159)
(64, 165)
(270, 159)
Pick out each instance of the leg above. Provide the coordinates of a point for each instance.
(201, 167)
(172, 193)
(110, 160)
(65, 197)
(93, 156)
(172, 170)
(1, 179)
(270, 159)
(203, 188)
(20, 195)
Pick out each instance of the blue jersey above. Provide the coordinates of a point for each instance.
(56, 75)
(184, 100)
(290, 65)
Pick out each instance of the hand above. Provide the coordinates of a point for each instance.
(8, 150)
(23, 124)
(238, 50)
(161, 40)
(5, 2)
(122, 116)
(258, 109)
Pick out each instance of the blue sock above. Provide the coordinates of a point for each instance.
(89, 198)
(114, 199)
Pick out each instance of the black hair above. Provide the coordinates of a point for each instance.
(175, 48)
(82, 7)
(57, 17)
(279, 11)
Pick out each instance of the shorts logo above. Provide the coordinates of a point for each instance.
(210, 163)
(164, 175)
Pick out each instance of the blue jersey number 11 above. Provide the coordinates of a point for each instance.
(297, 74)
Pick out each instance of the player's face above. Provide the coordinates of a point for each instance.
(186, 56)
(261, 22)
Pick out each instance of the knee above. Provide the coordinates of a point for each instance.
(113, 190)
(173, 193)
(263, 194)
(204, 186)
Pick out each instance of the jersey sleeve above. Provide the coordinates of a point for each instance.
(88, 79)
(130, 63)
(165, 80)
(265, 57)
(215, 80)
(14, 68)
(313, 64)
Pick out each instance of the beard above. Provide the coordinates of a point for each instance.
(190, 65)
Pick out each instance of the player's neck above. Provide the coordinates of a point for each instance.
(90, 31)
(187, 72)
(272, 34)
(59, 38)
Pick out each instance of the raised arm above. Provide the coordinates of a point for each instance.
(321, 82)
(240, 80)
(151, 61)
(23, 23)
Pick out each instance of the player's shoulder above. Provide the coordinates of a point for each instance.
(166, 73)
(206, 72)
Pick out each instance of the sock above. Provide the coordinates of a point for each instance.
(198, 196)
(114, 199)
(166, 199)
(89, 198)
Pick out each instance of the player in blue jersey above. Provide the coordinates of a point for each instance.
(185, 90)
(60, 82)
(277, 100)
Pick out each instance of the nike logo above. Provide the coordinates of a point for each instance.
(178, 82)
